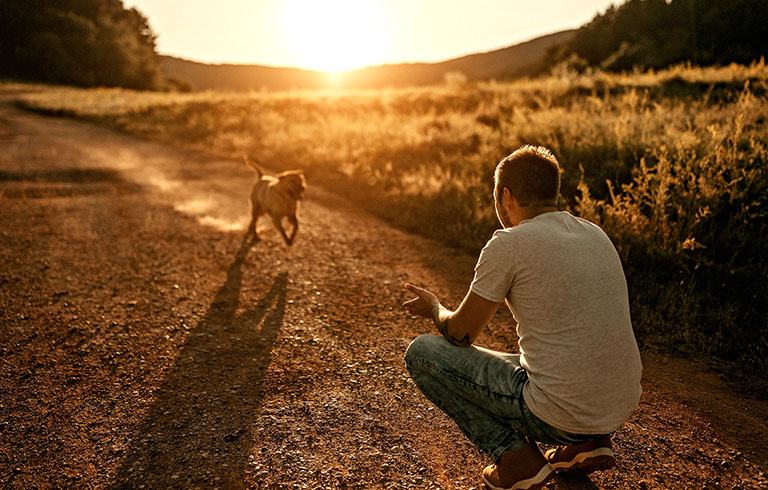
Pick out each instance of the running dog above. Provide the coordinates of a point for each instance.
(278, 196)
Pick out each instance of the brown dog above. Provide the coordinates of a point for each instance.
(277, 196)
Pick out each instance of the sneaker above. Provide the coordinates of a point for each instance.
(582, 458)
(524, 469)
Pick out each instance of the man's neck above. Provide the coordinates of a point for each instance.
(530, 212)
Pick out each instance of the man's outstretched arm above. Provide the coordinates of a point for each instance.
(460, 327)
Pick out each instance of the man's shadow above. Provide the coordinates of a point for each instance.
(572, 482)
(197, 433)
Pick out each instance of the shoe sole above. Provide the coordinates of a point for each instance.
(534, 483)
(587, 462)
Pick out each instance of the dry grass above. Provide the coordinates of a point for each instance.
(672, 164)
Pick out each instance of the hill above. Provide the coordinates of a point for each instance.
(510, 62)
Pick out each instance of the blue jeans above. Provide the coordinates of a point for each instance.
(482, 390)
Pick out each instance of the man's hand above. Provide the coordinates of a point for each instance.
(466, 322)
(424, 304)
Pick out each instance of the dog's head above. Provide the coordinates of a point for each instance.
(293, 182)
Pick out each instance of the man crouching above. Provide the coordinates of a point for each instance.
(577, 376)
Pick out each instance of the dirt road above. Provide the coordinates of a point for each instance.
(144, 345)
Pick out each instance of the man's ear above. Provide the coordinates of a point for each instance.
(510, 199)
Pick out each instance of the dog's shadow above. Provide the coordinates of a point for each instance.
(197, 432)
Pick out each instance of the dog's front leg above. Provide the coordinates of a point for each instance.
(292, 219)
(255, 212)
(279, 225)
(251, 230)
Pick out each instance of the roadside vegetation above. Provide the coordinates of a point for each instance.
(672, 164)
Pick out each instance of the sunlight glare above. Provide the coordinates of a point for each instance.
(335, 35)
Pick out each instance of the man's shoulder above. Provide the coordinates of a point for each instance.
(497, 241)
(511, 241)
(503, 237)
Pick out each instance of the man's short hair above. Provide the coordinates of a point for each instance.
(532, 175)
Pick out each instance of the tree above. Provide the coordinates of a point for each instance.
(658, 33)
(79, 42)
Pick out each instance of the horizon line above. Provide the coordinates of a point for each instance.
(316, 70)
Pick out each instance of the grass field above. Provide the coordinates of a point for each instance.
(671, 164)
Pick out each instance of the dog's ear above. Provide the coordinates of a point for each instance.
(302, 178)
(299, 174)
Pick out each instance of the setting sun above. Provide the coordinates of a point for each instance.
(340, 35)
(334, 35)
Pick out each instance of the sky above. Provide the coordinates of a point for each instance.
(337, 35)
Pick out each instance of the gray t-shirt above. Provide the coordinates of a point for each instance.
(563, 282)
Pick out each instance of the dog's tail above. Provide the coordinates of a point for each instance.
(255, 166)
